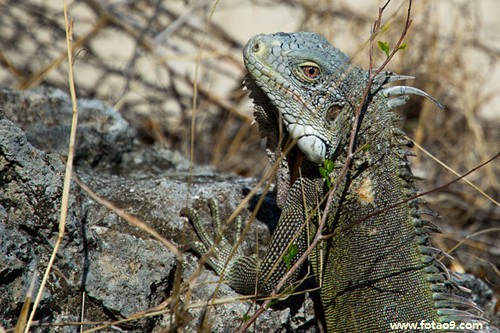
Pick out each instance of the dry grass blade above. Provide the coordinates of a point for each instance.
(38, 77)
(23, 316)
(486, 231)
(195, 93)
(455, 172)
(69, 167)
(131, 219)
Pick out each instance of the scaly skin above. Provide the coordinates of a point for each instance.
(377, 266)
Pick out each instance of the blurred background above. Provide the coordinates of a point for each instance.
(162, 62)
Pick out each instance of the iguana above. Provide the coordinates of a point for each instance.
(375, 265)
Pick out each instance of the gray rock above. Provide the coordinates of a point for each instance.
(116, 268)
(44, 114)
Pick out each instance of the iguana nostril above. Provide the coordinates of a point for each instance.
(256, 47)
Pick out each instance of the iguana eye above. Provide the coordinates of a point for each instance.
(310, 72)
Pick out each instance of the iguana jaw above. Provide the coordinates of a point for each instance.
(281, 149)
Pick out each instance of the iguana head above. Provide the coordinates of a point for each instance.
(299, 78)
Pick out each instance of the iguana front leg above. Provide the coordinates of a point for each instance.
(253, 275)
(214, 242)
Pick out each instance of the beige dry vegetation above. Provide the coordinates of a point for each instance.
(141, 57)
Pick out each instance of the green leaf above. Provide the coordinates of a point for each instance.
(246, 317)
(402, 46)
(329, 165)
(289, 290)
(291, 252)
(273, 302)
(323, 172)
(366, 147)
(384, 46)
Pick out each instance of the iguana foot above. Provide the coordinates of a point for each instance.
(214, 245)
